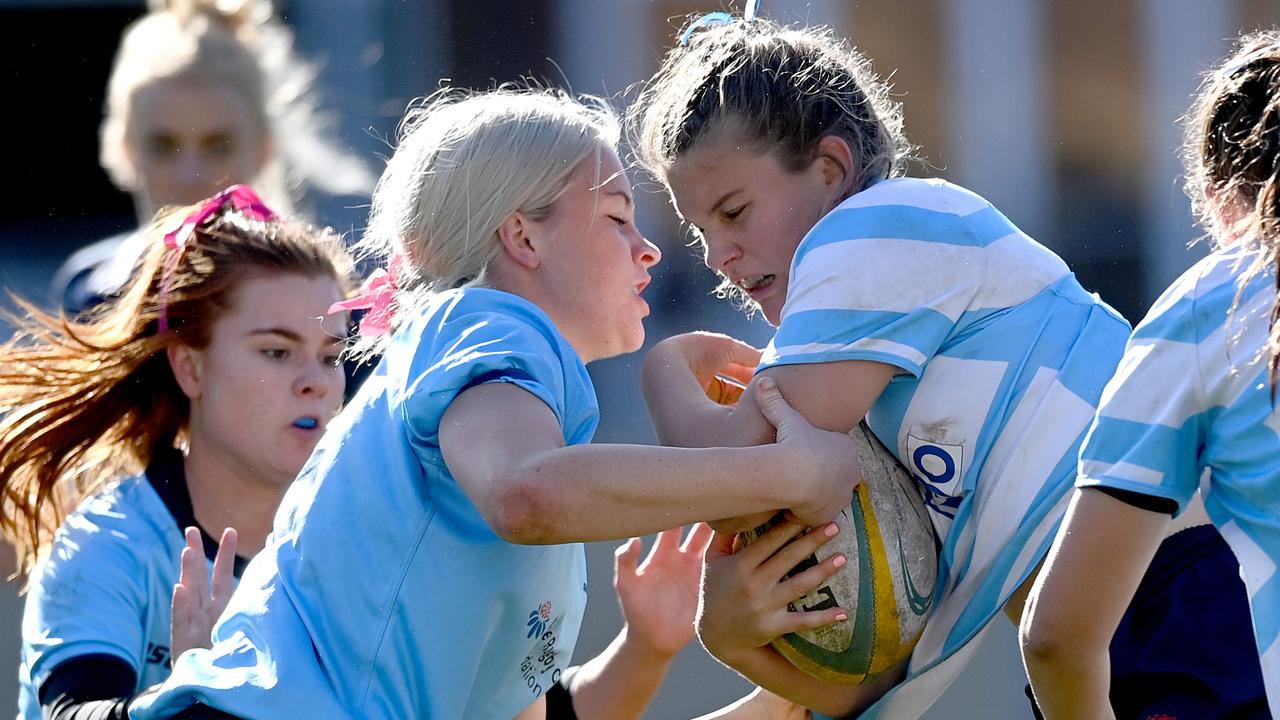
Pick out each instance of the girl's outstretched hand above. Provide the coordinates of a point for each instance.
(197, 601)
(659, 596)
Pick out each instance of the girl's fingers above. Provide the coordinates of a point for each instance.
(798, 621)
(739, 372)
(797, 551)
(180, 614)
(811, 579)
(773, 540)
(224, 565)
(193, 573)
(698, 540)
(721, 545)
(666, 541)
(626, 558)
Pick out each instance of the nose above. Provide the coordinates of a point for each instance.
(647, 254)
(190, 165)
(717, 254)
(319, 379)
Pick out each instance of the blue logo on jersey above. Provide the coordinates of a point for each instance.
(538, 619)
(938, 467)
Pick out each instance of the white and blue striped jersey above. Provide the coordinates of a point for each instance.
(1192, 393)
(106, 585)
(1003, 357)
(382, 592)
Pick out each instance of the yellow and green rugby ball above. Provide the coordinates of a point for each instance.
(887, 586)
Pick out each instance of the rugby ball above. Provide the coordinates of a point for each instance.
(887, 586)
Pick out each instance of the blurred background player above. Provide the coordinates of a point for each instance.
(203, 95)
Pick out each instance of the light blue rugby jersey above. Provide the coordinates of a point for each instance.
(106, 586)
(382, 592)
(1192, 393)
(1003, 358)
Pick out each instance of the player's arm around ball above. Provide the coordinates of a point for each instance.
(744, 607)
(678, 371)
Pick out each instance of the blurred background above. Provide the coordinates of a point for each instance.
(1063, 113)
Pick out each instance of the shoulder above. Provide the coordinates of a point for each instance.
(467, 337)
(911, 210)
(125, 526)
(1201, 298)
(479, 325)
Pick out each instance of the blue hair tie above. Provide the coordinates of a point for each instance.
(719, 18)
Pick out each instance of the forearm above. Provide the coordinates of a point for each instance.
(1096, 562)
(619, 682)
(586, 493)
(92, 687)
(770, 670)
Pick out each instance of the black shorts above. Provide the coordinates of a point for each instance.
(1184, 649)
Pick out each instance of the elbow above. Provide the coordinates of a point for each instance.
(1047, 643)
(519, 511)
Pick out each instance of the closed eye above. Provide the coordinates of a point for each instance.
(734, 213)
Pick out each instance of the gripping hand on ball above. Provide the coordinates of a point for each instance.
(745, 593)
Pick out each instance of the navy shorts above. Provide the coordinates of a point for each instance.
(1184, 649)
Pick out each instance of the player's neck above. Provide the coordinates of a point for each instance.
(224, 496)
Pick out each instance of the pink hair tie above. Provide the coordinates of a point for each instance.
(242, 199)
(378, 296)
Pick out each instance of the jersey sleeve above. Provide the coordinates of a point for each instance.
(86, 598)
(495, 344)
(1148, 436)
(881, 283)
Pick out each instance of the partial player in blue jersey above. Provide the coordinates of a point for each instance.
(426, 563)
(970, 349)
(1191, 408)
(191, 402)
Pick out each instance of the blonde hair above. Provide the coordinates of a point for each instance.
(1232, 159)
(464, 163)
(236, 43)
(85, 401)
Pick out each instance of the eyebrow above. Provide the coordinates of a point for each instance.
(623, 194)
(285, 333)
(723, 199)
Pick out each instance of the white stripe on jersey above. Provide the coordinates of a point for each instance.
(870, 345)
(913, 266)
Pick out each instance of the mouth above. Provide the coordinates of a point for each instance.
(640, 286)
(755, 284)
(306, 422)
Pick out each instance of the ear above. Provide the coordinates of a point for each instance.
(834, 159)
(187, 365)
(514, 234)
